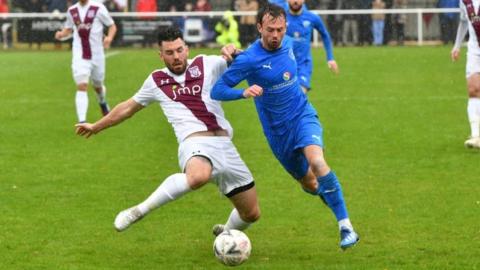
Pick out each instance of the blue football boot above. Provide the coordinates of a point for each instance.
(348, 238)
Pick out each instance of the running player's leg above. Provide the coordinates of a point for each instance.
(304, 74)
(81, 70)
(330, 191)
(98, 78)
(327, 186)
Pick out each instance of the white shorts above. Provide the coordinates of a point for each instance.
(83, 70)
(473, 64)
(230, 173)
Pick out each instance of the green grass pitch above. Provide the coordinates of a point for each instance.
(394, 126)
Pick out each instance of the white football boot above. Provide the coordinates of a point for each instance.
(218, 229)
(126, 218)
(473, 142)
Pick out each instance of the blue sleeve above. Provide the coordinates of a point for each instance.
(221, 91)
(237, 72)
(327, 41)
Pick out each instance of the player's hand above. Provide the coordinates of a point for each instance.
(85, 129)
(58, 35)
(229, 51)
(253, 91)
(455, 54)
(106, 42)
(332, 65)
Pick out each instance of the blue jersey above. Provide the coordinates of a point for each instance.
(275, 71)
(289, 121)
(300, 28)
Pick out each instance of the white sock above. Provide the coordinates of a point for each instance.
(81, 103)
(473, 110)
(345, 223)
(102, 96)
(236, 222)
(171, 189)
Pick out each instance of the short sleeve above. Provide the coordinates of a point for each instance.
(146, 94)
(69, 22)
(104, 16)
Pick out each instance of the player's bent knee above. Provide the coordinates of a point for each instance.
(310, 187)
(197, 179)
(251, 215)
(82, 86)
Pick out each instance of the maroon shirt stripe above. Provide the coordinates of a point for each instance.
(84, 29)
(473, 17)
(191, 94)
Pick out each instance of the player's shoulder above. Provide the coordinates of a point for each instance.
(101, 7)
(207, 58)
(287, 41)
(158, 72)
(310, 15)
(73, 7)
(249, 55)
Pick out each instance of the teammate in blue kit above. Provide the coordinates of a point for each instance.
(300, 25)
(290, 123)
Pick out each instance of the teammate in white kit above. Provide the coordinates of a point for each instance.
(86, 20)
(470, 22)
(205, 148)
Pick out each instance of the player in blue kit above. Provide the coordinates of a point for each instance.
(289, 121)
(300, 25)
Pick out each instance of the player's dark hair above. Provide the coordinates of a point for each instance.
(271, 9)
(169, 33)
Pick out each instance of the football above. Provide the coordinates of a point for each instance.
(232, 247)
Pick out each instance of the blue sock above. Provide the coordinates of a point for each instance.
(330, 191)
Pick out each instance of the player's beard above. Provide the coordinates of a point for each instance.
(295, 8)
(178, 67)
(273, 44)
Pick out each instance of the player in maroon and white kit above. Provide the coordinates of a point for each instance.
(86, 20)
(470, 22)
(205, 151)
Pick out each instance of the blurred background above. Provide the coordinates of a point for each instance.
(32, 23)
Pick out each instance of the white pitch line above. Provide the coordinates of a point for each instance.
(109, 54)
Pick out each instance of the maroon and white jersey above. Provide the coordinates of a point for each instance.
(185, 99)
(87, 22)
(473, 17)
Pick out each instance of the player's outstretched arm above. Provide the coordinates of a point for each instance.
(121, 112)
(229, 52)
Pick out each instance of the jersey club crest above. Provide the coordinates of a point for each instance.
(195, 72)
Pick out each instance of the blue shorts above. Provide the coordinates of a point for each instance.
(288, 148)
(304, 73)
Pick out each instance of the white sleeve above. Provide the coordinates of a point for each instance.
(218, 64)
(69, 22)
(463, 12)
(104, 16)
(146, 94)
(462, 27)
